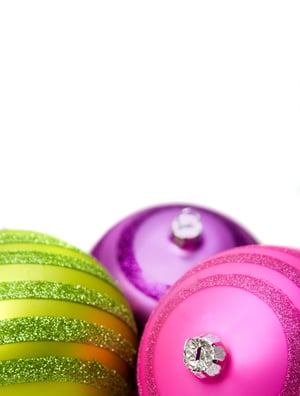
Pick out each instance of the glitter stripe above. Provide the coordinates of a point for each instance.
(292, 273)
(126, 251)
(65, 292)
(28, 308)
(52, 388)
(286, 312)
(24, 350)
(127, 259)
(67, 330)
(60, 259)
(27, 247)
(60, 369)
(20, 236)
(36, 272)
(280, 249)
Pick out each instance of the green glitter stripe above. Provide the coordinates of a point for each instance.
(46, 328)
(20, 236)
(61, 369)
(65, 292)
(59, 260)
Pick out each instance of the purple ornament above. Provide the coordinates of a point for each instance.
(149, 250)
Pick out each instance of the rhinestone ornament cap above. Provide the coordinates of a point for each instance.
(201, 356)
(148, 251)
(248, 296)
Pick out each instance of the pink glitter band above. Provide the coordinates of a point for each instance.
(287, 314)
(286, 250)
(277, 265)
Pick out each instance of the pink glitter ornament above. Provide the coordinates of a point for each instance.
(149, 250)
(249, 298)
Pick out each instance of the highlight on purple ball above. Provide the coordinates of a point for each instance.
(149, 250)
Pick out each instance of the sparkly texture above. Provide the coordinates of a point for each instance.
(76, 339)
(59, 329)
(66, 292)
(59, 260)
(287, 314)
(20, 236)
(287, 250)
(61, 369)
(126, 252)
(128, 262)
(282, 267)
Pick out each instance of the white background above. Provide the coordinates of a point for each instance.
(107, 107)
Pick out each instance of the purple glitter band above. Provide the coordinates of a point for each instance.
(128, 262)
(277, 265)
(287, 314)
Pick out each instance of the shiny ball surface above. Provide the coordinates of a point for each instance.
(65, 327)
(249, 297)
(149, 250)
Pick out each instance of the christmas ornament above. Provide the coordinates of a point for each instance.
(149, 250)
(65, 328)
(229, 326)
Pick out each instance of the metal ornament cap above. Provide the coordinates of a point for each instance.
(187, 228)
(148, 251)
(248, 296)
(201, 356)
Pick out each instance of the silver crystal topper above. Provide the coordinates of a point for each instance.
(201, 356)
(187, 228)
